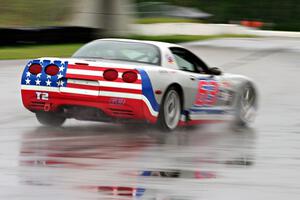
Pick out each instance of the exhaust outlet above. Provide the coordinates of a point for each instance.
(47, 107)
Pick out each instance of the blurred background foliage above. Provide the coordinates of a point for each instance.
(33, 12)
(279, 14)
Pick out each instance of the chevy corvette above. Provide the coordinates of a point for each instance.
(121, 80)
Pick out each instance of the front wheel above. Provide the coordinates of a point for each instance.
(246, 106)
(50, 118)
(170, 111)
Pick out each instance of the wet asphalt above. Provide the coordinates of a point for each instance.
(88, 160)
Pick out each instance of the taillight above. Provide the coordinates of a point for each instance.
(35, 69)
(52, 70)
(129, 76)
(110, 75)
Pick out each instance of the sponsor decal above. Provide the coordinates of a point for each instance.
(225, 84)
(225, 94)
(117, 101)
(163, 71)
(170, 59)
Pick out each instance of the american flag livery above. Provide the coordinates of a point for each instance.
(82, 83)
(97, 85)
(82, 79)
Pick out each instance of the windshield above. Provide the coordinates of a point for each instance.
(120, 50)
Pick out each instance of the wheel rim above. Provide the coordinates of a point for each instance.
(172, 109)
(248, 109)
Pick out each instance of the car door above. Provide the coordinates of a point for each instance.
(201, 87)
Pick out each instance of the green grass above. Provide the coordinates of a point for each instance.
(36, 51)
(165, 20)
(185, 38)
(66, 50)
(24, 13)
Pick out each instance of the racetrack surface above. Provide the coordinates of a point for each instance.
(87, 160)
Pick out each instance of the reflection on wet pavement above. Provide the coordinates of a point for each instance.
(104, 160)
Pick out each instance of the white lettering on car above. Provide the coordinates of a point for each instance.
(42, 96)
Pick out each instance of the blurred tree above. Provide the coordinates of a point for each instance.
(282, 14)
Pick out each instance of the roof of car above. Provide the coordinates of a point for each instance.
(156, 43)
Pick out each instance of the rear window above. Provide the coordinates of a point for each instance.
(120, 50)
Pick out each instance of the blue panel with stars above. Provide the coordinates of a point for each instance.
(43, 79)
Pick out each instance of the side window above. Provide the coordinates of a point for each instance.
(183, 64)
(187, 61)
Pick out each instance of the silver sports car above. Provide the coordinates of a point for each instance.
(120, 80)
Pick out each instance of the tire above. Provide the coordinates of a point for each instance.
(170, 110)
(246, 106)
(50, 119)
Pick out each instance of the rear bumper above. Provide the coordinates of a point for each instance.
(109, 107)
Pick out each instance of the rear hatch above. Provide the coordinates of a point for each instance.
(87, 78)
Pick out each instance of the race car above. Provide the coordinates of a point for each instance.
(122, 80)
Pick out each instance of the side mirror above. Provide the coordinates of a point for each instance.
(215, 71)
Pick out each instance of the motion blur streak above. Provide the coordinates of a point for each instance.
(107, 161)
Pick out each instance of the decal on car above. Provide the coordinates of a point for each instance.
(225, 96)
(207, 93)
(170, 59)
(147, 91)
(117, 101)
(42, 96)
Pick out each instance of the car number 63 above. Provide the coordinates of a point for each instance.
(207, 93)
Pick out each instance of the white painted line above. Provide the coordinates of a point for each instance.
(121, 85)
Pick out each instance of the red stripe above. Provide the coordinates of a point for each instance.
(125, 90)
(86, 67)
(98, 78)
(203, 121)
(119, 80)
(101, 88)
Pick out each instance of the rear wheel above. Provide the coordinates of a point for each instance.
(247, 106)
(170, 110)
(50, 118)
